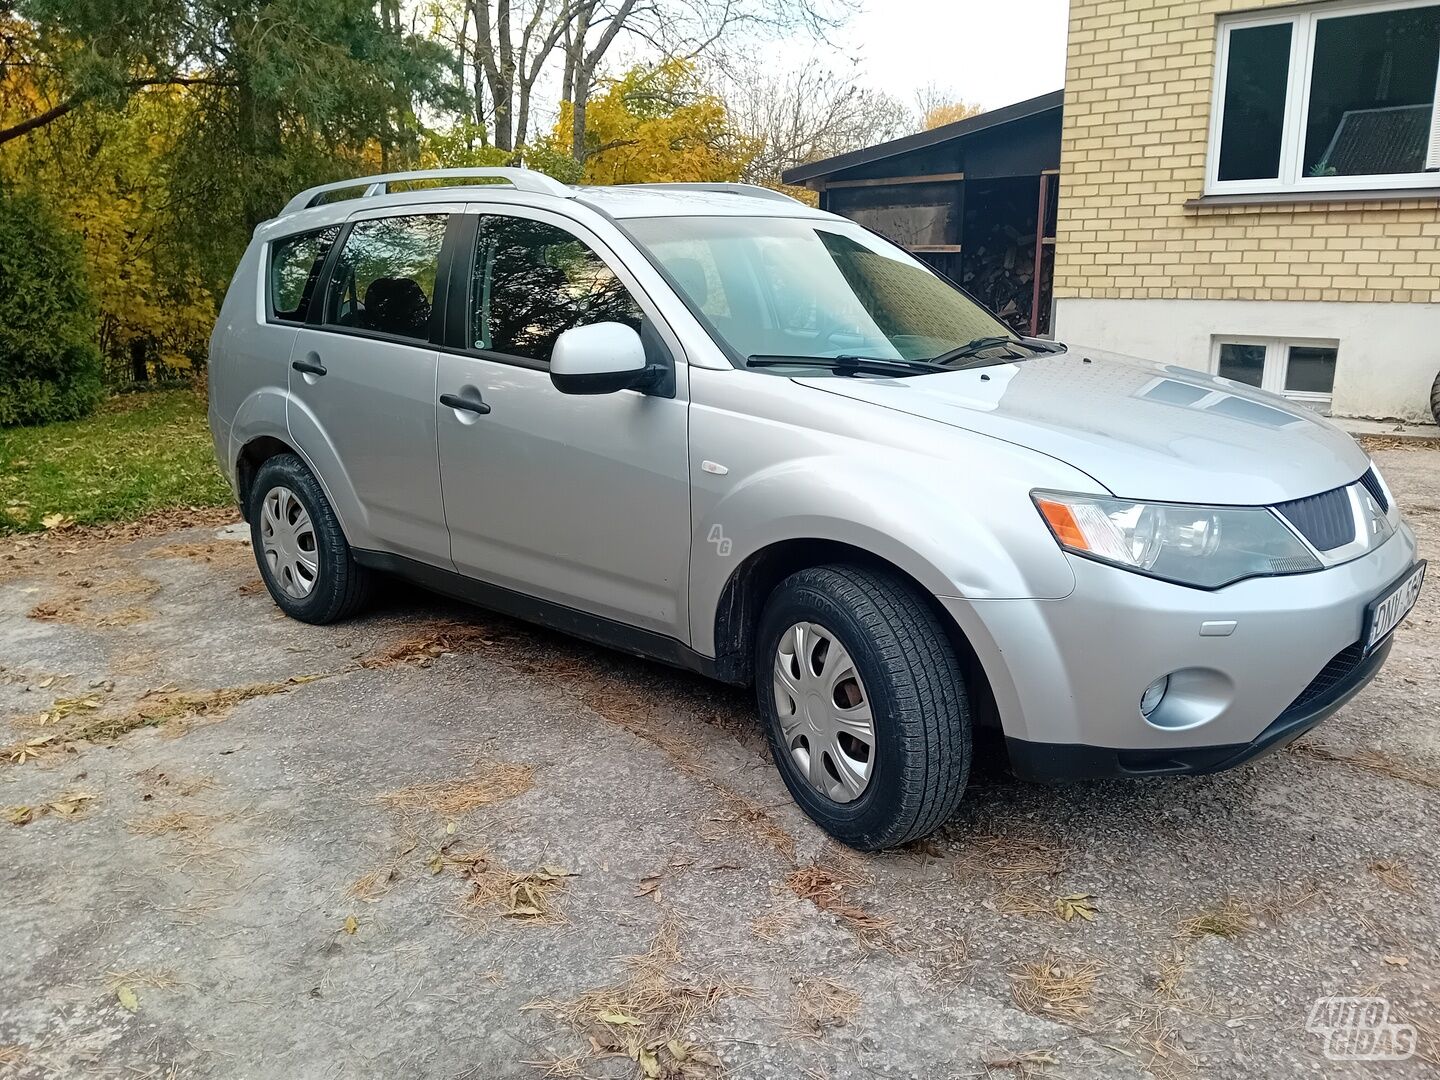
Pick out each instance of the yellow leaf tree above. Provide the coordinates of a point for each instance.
(655, 125)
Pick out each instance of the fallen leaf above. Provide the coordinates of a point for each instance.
(127, 999)
(1396, 961)
(1082, 904)
(351, 924)
(20, 815)
(55, 521)
(552, 871)
(678, 1050)
(647, 885)
(649, 1063)
(436, 863)
(618, 1018)
(47, 682)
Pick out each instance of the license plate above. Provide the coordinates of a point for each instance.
(1385, 612)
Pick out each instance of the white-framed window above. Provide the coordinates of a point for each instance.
(1300, 368)
(1332, 97)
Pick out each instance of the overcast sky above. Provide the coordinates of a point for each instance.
(990, 52)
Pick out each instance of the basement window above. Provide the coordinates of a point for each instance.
(1300, 369)
(1341, 97)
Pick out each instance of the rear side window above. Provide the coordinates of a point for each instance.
(533, 281)
(384, 279)
(295, 265)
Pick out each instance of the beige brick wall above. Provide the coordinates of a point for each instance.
(1137, 119)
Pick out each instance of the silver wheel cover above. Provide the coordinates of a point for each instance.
(824, 712)
(287, 542)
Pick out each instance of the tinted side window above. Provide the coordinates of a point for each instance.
(533, 281)
(295, 265)
(384, 279)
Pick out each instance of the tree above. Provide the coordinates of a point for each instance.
(49, 365)
(937, 106)
(284, 92)
(805, 114)
(656, 125)
(950, 112)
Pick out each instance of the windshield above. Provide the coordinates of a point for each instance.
(796, 287)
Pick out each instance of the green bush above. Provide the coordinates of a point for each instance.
(49, 361)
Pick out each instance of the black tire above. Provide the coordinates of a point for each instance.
(1435, 398)
(917, 697)
(342, 586)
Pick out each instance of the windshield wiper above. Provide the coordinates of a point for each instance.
(979, 345)
(845, 363)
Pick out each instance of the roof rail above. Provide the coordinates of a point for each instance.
(520, 180)
(754, 191)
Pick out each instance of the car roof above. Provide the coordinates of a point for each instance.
(306, 211)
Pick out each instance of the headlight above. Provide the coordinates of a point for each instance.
(1203, 546)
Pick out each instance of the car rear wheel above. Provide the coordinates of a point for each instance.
(299, 546)
(864, 704)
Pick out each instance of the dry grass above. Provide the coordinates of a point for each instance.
(1024, 1064)
(824, 885)
(13, 1054)
(370, 887)
(220, 553)
(1059, 989)
(85, 545)
(1011, 856)
(488, 782)
(527, 897)
(1373, 443)
(1370, 761)
(429, 641)
(180, 823)
(67, 805)
(647, 1015)
(1393, 875)
(775, 924)
(154, 978)
(1228, 920)
(165, 705)
(819, 1005)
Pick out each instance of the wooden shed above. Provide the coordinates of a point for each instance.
(975, 199)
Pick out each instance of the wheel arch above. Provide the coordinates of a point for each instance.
(737, 614)
(252, 456)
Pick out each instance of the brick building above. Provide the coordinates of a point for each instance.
(1252, 188)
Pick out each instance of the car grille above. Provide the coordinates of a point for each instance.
(1376, 489)
(1337, 672)
(1325, 519)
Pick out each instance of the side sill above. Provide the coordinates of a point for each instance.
(594, 628)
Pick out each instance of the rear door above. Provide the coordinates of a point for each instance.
(362, 381)
(582, 501)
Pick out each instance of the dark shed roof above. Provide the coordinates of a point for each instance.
(1021, 110)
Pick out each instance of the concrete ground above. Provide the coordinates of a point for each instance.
(435, 843)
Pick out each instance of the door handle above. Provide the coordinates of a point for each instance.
(308, 368)
(455, 401)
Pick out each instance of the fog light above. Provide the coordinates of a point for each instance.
(1150, 699)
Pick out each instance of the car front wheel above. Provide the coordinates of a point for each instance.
(864, 704)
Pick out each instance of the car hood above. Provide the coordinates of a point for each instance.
(1142, 429)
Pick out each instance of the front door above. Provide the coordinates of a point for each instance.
(362, 385)
(581, 501)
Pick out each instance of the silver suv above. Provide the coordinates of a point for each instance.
(710, 425)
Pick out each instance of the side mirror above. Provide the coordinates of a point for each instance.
(601, 358)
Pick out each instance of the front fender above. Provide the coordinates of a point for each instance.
(975, 536)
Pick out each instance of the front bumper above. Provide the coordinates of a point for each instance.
(1067, 675)
(1337, 683)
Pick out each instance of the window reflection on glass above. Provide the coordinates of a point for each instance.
(1372, 93)
(1243, 363)
(1257, 70)
(384, 280)
(295, 265)
(1310, 369)
(533, 281)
